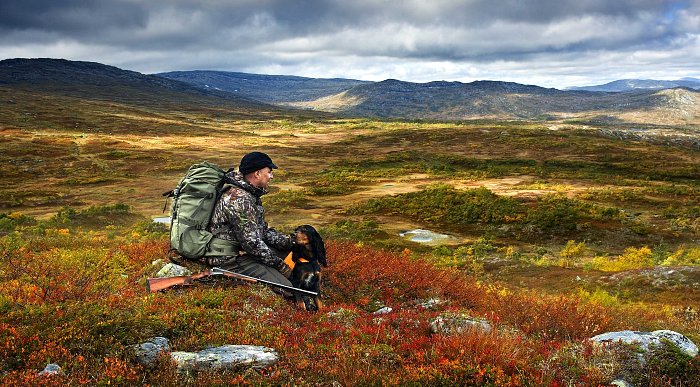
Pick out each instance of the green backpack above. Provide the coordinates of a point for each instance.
(194, 200)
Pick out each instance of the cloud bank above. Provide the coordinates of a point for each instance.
(553, 43)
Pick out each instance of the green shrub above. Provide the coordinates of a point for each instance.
(335, 183)
(556, 213)
(93, 215)
(283, 200)
(8, 222)
(442, 204)
(363, 230)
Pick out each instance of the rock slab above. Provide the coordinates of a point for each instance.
(51, 369)
(644, 339)
(226, 357)
(147, 353)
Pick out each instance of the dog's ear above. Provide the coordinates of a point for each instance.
(317, 245)
(318, 248)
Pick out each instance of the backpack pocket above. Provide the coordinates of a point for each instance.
(193, 242)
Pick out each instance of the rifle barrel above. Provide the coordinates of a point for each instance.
(218, 270)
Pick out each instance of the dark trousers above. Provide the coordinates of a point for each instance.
(247, 265)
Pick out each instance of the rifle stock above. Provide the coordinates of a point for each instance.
(157, 284)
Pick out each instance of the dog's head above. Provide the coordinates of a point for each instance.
(312, 247)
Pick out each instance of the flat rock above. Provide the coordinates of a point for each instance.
(51, 369)
(644, 339)
(226, 357)
(172, 270)
(148, 352)
(383, 310)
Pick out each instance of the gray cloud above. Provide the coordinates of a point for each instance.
(370, 39)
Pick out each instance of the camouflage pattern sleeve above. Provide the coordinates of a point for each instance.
(278, 240)
(248, 230)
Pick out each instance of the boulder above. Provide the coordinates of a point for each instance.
(51, 369)
(644, 339)
(172, 270)
(459, 323)
(226, 357)
(621, 383)
(147, 353)
(383, 310)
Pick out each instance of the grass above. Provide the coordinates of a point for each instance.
(538, 216)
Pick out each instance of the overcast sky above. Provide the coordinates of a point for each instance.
(552, 43)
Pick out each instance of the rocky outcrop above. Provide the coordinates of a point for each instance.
(51, 369)
(147, 353)
(226, 357)
(646, 339)
(218, 358)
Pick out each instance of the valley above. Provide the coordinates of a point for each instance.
(592, 211)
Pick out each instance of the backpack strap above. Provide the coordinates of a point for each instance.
(222, 247)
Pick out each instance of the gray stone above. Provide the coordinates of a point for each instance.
(226, 357)
(147, 353)
(383, 310)
(621, 383)
(51, 369)
(461, 323)
(172, 270)
(644, 339)
(431, 303)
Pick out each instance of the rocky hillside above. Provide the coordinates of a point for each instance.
(98, 81)
(648, 84)
(390, 99)
(455, 100)
(265, 88)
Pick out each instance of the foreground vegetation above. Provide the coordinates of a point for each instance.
(557, 232)
(73, 292)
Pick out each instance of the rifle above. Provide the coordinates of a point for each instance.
(155, 284)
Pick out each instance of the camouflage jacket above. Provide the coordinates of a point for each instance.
(239, 216)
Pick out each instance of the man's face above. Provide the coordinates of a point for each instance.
(262, 177)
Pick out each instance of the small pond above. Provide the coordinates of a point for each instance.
(162, 219)
(426, 236)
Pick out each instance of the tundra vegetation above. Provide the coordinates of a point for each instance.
(559, 235)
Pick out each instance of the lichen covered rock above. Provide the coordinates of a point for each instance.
(226, 357)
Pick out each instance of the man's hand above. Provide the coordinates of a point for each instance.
(284, 269)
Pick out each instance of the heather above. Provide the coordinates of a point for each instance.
(77, 296)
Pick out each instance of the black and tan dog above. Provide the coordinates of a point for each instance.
(308, 254)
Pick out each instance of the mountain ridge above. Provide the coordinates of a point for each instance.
(387, 99)
(288, 88)
(93, 80)
(622, 85)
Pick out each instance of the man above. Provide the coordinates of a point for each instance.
(239, 217)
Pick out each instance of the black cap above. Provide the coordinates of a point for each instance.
(254, 161)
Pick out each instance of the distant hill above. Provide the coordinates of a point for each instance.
(455, 100)
(254, 94)
(647, 84)
(92, 80)
(265, 88)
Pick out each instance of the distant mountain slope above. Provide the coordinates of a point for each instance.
(455, 100)
(265, 88)
(98, 81)
(648, 84)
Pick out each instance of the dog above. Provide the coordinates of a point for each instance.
(308, 254)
